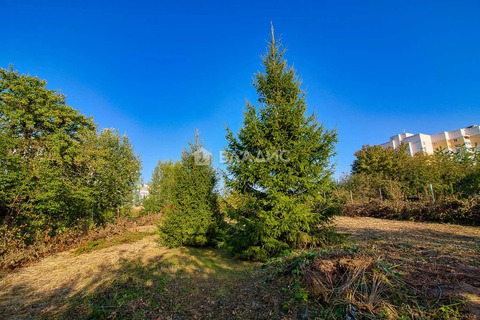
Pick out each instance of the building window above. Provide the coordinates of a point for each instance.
(455, 140)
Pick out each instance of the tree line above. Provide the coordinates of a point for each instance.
(389, 183)
(400, 176)
(57, 170)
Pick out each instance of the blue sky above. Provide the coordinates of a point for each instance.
(160, 70)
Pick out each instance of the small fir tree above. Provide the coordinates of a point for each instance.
(278, 165)
(193, 217)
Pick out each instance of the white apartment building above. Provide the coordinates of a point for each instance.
(447, 140)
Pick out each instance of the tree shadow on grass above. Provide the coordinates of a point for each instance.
(196, 284)
(191, 283)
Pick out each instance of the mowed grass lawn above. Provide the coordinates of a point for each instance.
(134, 277)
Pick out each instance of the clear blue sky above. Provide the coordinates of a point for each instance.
(160, 70)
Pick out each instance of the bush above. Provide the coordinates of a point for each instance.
(450, 210)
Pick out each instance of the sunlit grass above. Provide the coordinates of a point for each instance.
(103, 243)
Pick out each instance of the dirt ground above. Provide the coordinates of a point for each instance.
(441, 259)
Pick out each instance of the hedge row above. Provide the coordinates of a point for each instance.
(458, 211)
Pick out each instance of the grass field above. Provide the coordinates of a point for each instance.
(133, 277)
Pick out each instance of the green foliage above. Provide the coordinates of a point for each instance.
(43, 173)
(117, 169)
(161, 186)
(467, 177)
(192, 217)
(54, 168)
(279, 165)
(377, 160)
(453, 175)
(400, 175)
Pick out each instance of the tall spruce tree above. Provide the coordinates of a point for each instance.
(279, 165)
(192, 219)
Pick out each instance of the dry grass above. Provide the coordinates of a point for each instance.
(349, 282)
(61, 285)
(437, 260)
(363, 228)
(44, 287)
(145, 280)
